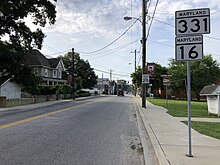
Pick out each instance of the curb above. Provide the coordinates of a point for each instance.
(150, 157)
(161, 156)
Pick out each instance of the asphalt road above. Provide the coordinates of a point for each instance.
(99, 131)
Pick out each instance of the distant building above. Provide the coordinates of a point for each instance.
(121, 84)
(49, 69)
(103, 84)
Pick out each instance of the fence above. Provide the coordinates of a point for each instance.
(35, 99)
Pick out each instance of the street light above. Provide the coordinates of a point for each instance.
(73, 78)
(126, 18)
(143, 41)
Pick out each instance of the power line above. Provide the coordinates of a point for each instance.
(156, 19)
(213, 38)
(65, 51)
(114, 50)
(163, 22)
(116, 74)
(112, 41)
(152, 18)
(100, 48)
(139, 56)
(161, 43)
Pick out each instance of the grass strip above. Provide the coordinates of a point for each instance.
(211, 129)
(178, 108)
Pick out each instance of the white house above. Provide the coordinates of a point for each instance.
(10, 89)
(49, 69)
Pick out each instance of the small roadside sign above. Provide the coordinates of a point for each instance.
(145, 78)
(191, 22)
(189, 48)
(166, 80)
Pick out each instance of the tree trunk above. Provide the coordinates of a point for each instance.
(197, 96)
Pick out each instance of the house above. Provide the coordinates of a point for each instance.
(10, 89)
(49, 69)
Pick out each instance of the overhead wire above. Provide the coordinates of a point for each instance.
(113, 51)
(112, 41)
(152, 18)
(112, 73)
(102, 47)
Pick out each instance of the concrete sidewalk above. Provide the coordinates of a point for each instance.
(169, 138)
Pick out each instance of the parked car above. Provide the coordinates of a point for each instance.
(120, 93)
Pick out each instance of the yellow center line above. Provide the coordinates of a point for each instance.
(41, 116)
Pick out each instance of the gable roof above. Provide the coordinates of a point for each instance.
(35, 57)
(4, 79)
(53, 62)
(210, 90)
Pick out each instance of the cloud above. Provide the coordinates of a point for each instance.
(91, 17)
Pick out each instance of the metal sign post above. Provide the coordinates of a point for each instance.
(166, 83)
(189, 25)
(189, 107)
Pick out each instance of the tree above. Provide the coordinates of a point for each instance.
(157, 82)
(178, 72)
(203, 72)
(137, 76)
(12, 14)
(21, 37)
(27, 79)
(11, 58)
(84, 75)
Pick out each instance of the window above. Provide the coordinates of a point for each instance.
(59, 74)
(46, 72)
(54, 73)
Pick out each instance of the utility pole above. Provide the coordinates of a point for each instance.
(73, 79)
(135, 60)
(111, 81)
(135, 69)
(144, 3)
(102, 84)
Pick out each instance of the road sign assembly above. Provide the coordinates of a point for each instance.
(189, 27)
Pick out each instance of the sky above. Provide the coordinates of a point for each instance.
(97, 31)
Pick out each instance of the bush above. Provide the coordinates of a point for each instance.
(57, 89)
(83, 94)
(45, 90)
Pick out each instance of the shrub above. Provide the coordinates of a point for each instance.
(83, 94)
